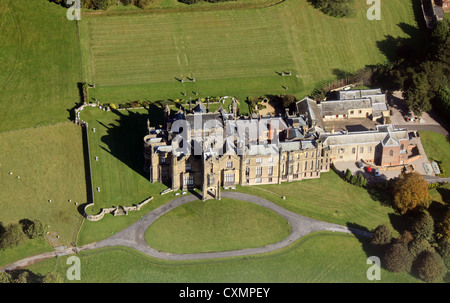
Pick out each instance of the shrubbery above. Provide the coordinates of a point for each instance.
(196, 1)
(381, 236)
(334, 8)
(12, 236)
(417, 250)
(17, 233)
(357, 179)
(104, 4)
(398, 258)
(430, 267)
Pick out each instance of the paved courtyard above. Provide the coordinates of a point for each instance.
(391, 173)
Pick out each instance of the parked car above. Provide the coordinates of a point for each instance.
(359, 164)
(376, 172)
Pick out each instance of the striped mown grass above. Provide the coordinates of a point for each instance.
(233, 52)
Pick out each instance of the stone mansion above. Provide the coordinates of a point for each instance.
(209, 150)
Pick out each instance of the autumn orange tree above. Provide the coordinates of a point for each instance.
(410, 191)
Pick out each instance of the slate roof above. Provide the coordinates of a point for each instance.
(262, 150)
(343, 106)
(309, 107)
(385, 135)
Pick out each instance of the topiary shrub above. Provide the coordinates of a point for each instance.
(423, 227)
(381, 235)
(397, 258)
(417, 246)
(430, 267)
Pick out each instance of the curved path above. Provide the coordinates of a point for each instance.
(134, 235)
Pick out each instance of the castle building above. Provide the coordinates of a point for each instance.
(213, 150)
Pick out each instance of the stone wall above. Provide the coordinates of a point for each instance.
(114, 210)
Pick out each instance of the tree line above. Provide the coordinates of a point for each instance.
(103, 4)
(197, 1)
(423, 246)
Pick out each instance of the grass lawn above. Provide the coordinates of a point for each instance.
(328, 199)
(118, 144)
(436, 147)
(40, 64)
(318, 257)
(216, 226)
(49, 163)
(232, 52)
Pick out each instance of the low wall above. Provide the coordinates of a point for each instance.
(114, 210)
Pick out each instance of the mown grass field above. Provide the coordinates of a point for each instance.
(46, 163)
(318, 257)
(232, 52)
(40, 64)
(216, 226)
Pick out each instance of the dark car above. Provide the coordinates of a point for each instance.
(359, 164)
(376, 172)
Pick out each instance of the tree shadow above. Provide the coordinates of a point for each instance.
(381, 196)
(342, 74)
(411, 49)
(363, 234)
(401, 222)
(31, 277)
(445, 193)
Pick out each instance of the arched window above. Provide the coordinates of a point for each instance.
(391, 153)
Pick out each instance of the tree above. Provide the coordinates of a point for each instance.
(36, 229)
(22, 277)
(12, 236)
(348, 175)
(444, 251)
(406, 237)
(334, 8)
(361, 181)
(52, 277)
(417, 246)
(381, 235)
(423, 227)
(441, 32)
(443, 227)
(416, 92)
(410, 191)
(397, 258)
(287, 100)
(430, 267)
(5, 277)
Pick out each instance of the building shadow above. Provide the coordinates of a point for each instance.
(124, 139)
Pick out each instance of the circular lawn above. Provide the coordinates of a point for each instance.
(214, 225)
